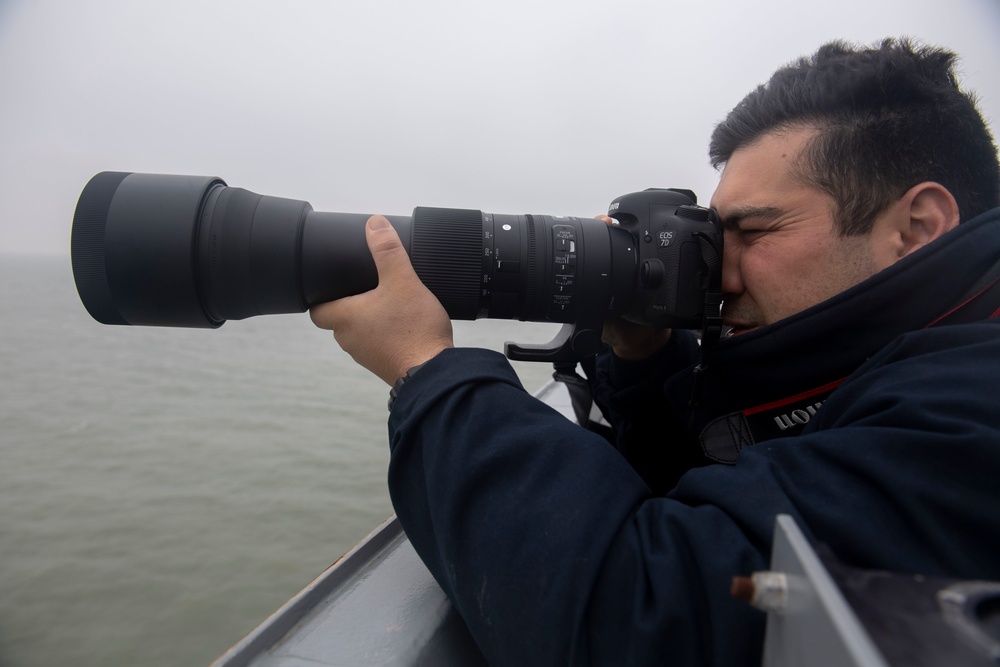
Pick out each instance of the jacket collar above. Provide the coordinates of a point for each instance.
(830, 340)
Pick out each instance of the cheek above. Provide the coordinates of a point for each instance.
(771, 265)
(783, 281)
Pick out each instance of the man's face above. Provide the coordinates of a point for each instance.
(782, 250)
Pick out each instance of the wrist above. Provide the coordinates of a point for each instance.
(403, 379)
(403, 363)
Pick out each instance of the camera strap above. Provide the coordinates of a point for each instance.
(724, 437)
(982, 305)
(711, 331)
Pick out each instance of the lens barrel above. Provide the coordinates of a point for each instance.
(189, 251)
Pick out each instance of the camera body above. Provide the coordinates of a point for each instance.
(678, 258)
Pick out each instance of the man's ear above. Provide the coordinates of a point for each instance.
(932, 211)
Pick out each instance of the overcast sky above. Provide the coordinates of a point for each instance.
(380, 106)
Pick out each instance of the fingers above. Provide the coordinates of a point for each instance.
(395, 326)
(387, 250)
(325, 314)
(391, 262)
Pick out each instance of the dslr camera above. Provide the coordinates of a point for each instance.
(189, 251)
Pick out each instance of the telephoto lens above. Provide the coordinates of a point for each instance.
(188, 251)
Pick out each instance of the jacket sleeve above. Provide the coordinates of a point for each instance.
(549, 544)
(632, 397)
(554, 550)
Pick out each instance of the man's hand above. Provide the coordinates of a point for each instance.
(395, 326)
(633, 342)
(628, 340)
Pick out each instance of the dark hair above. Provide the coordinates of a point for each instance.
(888, 117)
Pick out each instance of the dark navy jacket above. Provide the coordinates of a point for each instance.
(556, 550)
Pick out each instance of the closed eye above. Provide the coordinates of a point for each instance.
(742, 219)
(747, 235)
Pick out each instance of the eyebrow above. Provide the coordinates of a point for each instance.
(740, 213)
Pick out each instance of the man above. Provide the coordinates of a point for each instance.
(856, 391)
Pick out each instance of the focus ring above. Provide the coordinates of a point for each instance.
(446, 251)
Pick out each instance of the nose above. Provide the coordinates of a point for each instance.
(732, 278)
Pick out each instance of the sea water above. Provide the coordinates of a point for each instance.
(163, 490)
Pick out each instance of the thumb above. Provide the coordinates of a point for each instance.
(387, 250)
